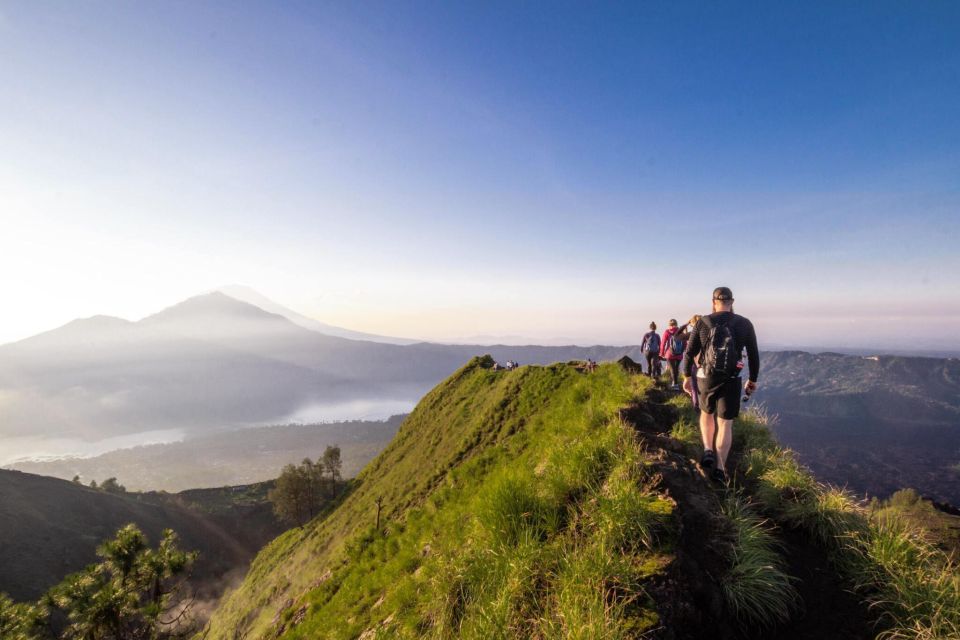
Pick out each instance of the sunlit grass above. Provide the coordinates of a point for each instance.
(757, 587)
(549, 529)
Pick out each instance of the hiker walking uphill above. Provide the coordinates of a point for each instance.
(718, 340)
(671, 350)
(650, 347)
(685, 334)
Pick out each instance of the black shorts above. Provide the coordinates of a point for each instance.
(721, 397)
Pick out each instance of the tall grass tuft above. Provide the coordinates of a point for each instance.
(513, 511)
(757, 588)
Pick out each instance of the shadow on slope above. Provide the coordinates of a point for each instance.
(52, 527)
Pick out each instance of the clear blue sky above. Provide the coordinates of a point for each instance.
(449, 169)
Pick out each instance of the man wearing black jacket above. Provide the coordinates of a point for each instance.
(720, 389)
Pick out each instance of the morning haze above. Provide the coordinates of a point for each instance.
(353, 320)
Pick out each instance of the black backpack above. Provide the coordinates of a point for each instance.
(720, 353)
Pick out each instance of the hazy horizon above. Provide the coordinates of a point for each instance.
(859, 348)
(443, 171)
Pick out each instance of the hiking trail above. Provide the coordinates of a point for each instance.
(690, 594)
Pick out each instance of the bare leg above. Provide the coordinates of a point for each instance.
(724, 441)
(708, 429)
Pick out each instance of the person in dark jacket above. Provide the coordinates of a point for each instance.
(719, 340)
(650, 348)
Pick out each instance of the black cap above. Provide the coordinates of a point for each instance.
(722, 293)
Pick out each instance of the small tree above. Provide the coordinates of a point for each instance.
(290, 493)
(76, 480)
(110, 485)
(299, 491)
(331, 466)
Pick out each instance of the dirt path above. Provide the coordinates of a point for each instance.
(827, 609)
(690, 598)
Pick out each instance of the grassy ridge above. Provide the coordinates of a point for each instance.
(518, 505)
(514, 505)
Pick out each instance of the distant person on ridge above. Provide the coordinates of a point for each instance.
(650, 347)
(671, 350)
(718, 340)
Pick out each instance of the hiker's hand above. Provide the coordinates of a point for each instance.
(750, 387)
(688, 386)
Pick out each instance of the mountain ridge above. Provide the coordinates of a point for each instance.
(556, 502)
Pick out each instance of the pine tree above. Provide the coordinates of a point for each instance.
(20, 621)
(125, 595)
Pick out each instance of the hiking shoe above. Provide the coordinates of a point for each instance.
(718, 475)
(708, 459)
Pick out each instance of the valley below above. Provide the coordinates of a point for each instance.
(225, 458)
(876, 457)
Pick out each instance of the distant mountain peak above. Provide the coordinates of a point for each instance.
(99, 321)
(93, 329)
(254, 297)
(212, 304)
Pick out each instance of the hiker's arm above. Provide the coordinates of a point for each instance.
(753, 353)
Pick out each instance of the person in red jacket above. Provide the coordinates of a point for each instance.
(671, 350)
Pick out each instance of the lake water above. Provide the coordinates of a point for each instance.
(35, 448)
(19, 448)
(351, 410)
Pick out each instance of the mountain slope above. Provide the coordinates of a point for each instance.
(549, 502)
(907, 389)
(52, 527)
(479, 434)
(875, 424)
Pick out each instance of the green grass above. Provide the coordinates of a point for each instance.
(889, 557)
(515, 505)
(757, 587)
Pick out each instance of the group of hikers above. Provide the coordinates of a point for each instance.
(670, 348)
(510, 366)
(709, 352)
